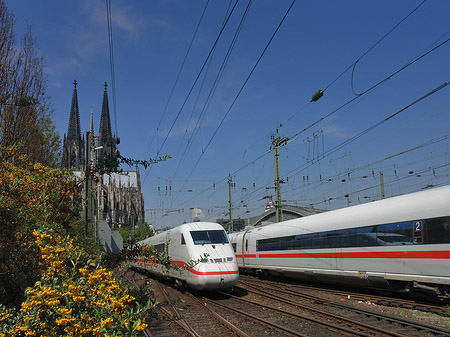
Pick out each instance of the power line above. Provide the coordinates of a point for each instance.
(178, 75)
(195, 82)
(215, 84)
(373, 46)
(242, 88)
(111, 61)
(211, 93)
(348, 141)
(373, 86)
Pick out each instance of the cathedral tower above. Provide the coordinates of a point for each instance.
(105, 134)
(73, 146)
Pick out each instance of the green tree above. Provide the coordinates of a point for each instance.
(141, 232)
(25, 109)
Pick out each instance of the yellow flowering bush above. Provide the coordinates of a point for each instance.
(49, 284)
(75, 297)
(30, 195)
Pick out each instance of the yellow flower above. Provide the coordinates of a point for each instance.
(64, 321)
(141, 327)
(5, 316)
(65, 311)
(107, 323)
(79, 298)
(83, 271)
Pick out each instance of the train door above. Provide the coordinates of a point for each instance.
(247, 249)
(236, 241)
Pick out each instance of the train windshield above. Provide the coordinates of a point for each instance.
(209, 236)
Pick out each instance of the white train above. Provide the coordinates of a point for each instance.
(401, 243)
(191, 242)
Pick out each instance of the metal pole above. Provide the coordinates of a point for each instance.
(382, 185)
(87, 179)
(277, 182)
(230, 205)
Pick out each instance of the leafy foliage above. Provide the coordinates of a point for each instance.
(31, 195)
(151, 257)
(111, 163)
(25, 109)
(141, 232)
(52, 282)
(74, 297)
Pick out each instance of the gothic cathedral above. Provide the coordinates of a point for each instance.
(117, 197)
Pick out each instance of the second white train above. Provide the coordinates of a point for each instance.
(401, 243)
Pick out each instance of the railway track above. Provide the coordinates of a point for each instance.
(441, 309)
(179, 313)
(264, 309)
(389, 325)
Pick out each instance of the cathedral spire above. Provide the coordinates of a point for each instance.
(91, 129)
(74, 131)
(105, 133)
(73, 147)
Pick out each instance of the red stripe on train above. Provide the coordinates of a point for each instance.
(193, 271)
(439, 254)
(230, 272)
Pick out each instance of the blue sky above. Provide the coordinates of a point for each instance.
(229, 134)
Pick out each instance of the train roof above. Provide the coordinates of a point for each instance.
(414, 206)
(200, 225)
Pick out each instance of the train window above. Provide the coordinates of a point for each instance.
(246, 245)
(431, 231)
(436, 230)
(397, 234)
(209, 237)
(234, 246)
(366, 237)
(183, 242)
(159, 248)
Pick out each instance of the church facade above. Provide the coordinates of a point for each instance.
(115, 198)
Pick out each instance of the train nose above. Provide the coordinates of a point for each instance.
(216, 276)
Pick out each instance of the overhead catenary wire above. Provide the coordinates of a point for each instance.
(374, 45)
(415, 59)
(242, 88)
(195, 82)
(353, 65)
(345, 104)
(211, 93)
(354, 171)
(215, 84)
(373, 87)
(405, 66)
(348, 141)
(111, 62)
(178, 76)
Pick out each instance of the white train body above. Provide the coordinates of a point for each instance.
(190, 242)
(400, 243)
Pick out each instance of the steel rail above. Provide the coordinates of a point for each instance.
(177, 320)
(177, 317)
(256, 318)
(221, 320)
(395, 319)
(325, 313)
(397, 302)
